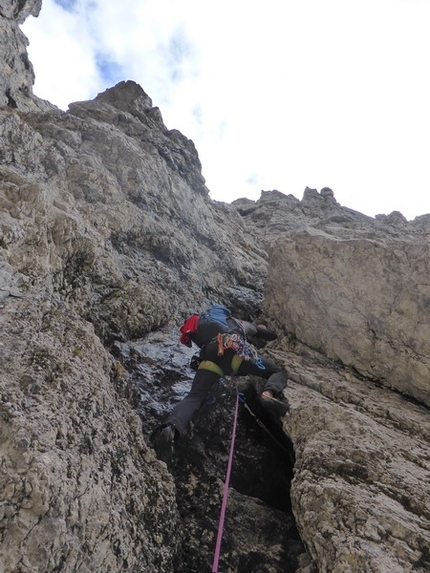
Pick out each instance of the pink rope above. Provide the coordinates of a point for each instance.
(225, 494)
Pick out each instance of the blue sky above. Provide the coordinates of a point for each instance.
(68, 5)
(280, 94)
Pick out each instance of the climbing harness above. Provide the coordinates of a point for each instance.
(225, 494)
(211, 366)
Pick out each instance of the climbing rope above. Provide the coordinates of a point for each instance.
(240, 397)
(260, 423)
(225, 494)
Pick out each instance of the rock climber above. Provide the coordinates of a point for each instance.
(224, 350)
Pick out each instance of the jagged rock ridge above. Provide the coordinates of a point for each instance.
(107, 239)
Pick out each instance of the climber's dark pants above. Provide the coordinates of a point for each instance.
(205, 378)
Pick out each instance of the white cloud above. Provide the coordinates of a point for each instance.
(281, 94)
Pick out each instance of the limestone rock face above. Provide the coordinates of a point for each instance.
(107, 233)
(353, 287)
(360, 491)
(80, 489)
(354, 290)
(19, 10)
(16, 70)
(108, 240)
(359, 298)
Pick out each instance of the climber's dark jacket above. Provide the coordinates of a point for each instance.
(214, 364)
(209, 331)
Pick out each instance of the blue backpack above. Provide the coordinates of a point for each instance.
(217, 315)
(205, 326)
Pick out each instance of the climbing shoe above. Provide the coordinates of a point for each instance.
(274, 405)
(163, 443)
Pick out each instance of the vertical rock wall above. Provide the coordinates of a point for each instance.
(106, 234)
(358, 298)
(107, 239)
(16, 70)
(360, 491)
(354, 290)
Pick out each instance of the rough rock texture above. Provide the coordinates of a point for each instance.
(367, 301)
(107, 240)
(360, 492)
(16, 70)
(260, 533)
(102, 239)
(355, 288)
